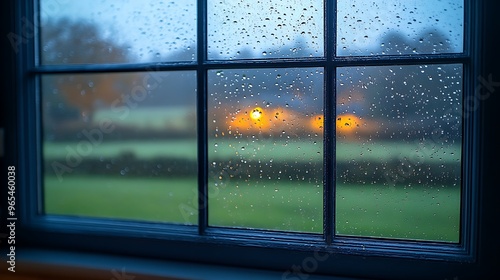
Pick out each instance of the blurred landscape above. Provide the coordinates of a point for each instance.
(124, 145)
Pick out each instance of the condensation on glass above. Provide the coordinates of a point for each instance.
(398, 154)
(265, 29)
(265, 148)
(367, 27)
(100, 31)
(120, 145)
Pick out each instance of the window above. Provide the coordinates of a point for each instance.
(284, 132)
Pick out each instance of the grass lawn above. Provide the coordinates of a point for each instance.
(278, 149)
(278, 205)
(399, 212)
(123, 198)
(414, 213)
(184, 148)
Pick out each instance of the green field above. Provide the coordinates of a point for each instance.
(183, 148)
(109, 197)
(379, 211)
(399, 212)
(413, 208)
(276, 149)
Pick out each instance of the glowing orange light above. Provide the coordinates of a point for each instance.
(256, 113)
(317, 123)
(253, 120)
(347, 123)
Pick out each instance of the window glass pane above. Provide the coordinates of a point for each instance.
(367, 27)
(266, 148)
(107, 31)
(121, 146)
(399, 131)
(265, 29)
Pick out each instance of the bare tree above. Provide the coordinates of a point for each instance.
(66, 42)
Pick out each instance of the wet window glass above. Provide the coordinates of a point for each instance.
(394, 27)
(123, 118)
(399, 142)
(101, 31)
(266, 148)
(120, 146)
(265, 29)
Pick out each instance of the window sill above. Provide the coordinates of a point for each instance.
(38, 264)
